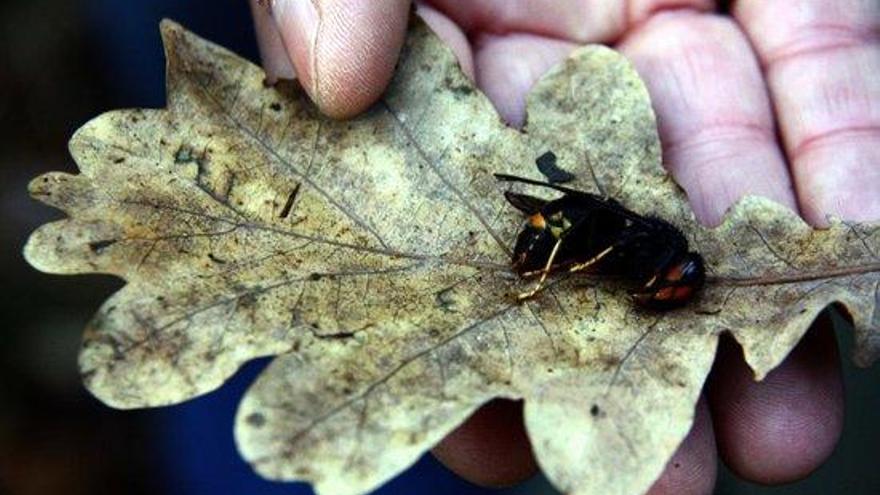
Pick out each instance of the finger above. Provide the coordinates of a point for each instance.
(823, 71)
(452, 35)
(714, 115)
(491, 448)
(781, 429)
(580, 21)
(343, 51)
(276, 63)
(508, 66)
(693, 467)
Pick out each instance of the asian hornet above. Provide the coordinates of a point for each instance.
(584, 232)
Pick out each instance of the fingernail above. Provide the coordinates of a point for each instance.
(297, 21)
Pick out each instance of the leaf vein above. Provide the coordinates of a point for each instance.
(448, 183)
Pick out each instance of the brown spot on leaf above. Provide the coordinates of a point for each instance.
(257, 420)
(98, 247)
(216, 259)
(289, 203)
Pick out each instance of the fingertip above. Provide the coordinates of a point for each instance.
(783, 428)
(491, 448)
(344, 51)
(273, 54)
(451, 34)
(508, 66)
(692, 470)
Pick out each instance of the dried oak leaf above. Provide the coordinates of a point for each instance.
(373, 255)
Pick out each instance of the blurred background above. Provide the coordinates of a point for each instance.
(62, 63)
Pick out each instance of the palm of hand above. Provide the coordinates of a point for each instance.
(779, 99)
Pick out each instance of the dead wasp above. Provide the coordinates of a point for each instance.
(586, 232)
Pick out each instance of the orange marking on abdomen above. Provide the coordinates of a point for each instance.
(683, 293)
(675, 273)
(664, 294)
(537, 221)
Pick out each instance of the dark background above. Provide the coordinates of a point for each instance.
(61, 63)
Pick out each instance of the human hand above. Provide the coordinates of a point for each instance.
(776, 98)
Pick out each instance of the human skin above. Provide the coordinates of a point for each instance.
(778, 98)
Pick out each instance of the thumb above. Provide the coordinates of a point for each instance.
(343, 51)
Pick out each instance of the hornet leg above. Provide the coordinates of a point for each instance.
(544, 272)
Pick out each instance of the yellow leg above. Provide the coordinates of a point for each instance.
(590, 262)
(532, 273)
(544, 272)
